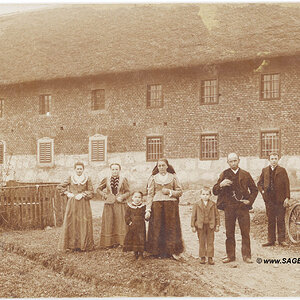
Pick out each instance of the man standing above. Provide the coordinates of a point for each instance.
(236, 192)
(274, 186)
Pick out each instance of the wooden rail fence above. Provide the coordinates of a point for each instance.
(32, 206)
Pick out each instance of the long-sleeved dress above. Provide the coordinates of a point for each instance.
(136, 236)
(164, 232)
(113, 227)
(77, 231)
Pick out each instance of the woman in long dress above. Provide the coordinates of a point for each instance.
(77, 231)
(164, 233)
(115, 191)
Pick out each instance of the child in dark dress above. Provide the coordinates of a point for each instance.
(135, 219)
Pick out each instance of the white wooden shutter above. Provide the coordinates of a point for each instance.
(45, 152)
(97, 150)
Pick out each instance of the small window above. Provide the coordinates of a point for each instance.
(2, 152)
(154, 96)
(209, 146)
(154, 148)
(45, 102)
(98, 148)
(270, 86)
(209, 92)
(1, 107)
(45, 152)
(269, 143)
(98, 99)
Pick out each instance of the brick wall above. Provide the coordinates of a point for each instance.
(238, 118)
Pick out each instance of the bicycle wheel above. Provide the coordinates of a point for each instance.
(293, 227)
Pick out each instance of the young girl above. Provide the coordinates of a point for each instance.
(135, 219)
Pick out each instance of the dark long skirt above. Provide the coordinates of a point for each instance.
(113, 228)
(164, 233)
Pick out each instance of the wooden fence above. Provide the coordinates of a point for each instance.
(32, 206)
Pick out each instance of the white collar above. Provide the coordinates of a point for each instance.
(273, 168)
(163, 178)
(132, 205)
(82, 179)
(235, 171)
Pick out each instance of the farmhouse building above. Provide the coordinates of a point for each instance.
(132, 83)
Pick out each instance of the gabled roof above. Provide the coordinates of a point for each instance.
(81, 40)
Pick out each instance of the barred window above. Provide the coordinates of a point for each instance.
(45, 102)
(154, 96)
(154, 148)
(2, 152)
(98, 148)
(1, 107)
(209, 91)
(98, 99)
(269, 143)
(270, 86)
(45, 152)
(209, 146)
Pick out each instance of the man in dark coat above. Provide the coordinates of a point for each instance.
(274, 186)
(236, 192)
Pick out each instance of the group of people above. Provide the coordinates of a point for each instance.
(125, 213)
(124, 217)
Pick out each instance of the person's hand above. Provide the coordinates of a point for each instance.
(119, 199)
(286, 202)
(225, 182)
(147, 215)
(245, 201)
(70, 195)
(78, 196)
(165, 191)
(194, 229)
(217, 228)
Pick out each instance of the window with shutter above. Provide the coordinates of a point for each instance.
(44, 106)
(98, 99)
(45, 152)
(1, 153)
(98, 148)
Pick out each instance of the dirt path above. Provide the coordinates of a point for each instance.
(239, 278)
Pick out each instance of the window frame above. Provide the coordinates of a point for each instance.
(148, 93)
(201, 91)
(45, 140)
(261, 86)
(93, 97)
(98, 137)
(216, 135)
(47, 113)
(4, 153)
(161, 143)
(1, 108)
(260, 142)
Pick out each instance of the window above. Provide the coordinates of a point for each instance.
(2, 152)
(270, 86)
(209, 91)
(209, 146)
(269, 143)
(154, 148)
(45, 101)
(45, 152)
(97, 148)
(1, 107)
(98, 99)
(154, 96)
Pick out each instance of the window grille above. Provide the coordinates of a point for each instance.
(209, 91)
(154, 96)
(209, 146)
(154, 148)
(269, 143)
(270, 86)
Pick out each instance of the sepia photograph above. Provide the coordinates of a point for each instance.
(149, 149)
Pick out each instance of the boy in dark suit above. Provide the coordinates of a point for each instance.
(274, 186)
(205, 220)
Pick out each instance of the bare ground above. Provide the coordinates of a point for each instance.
(31, 266)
